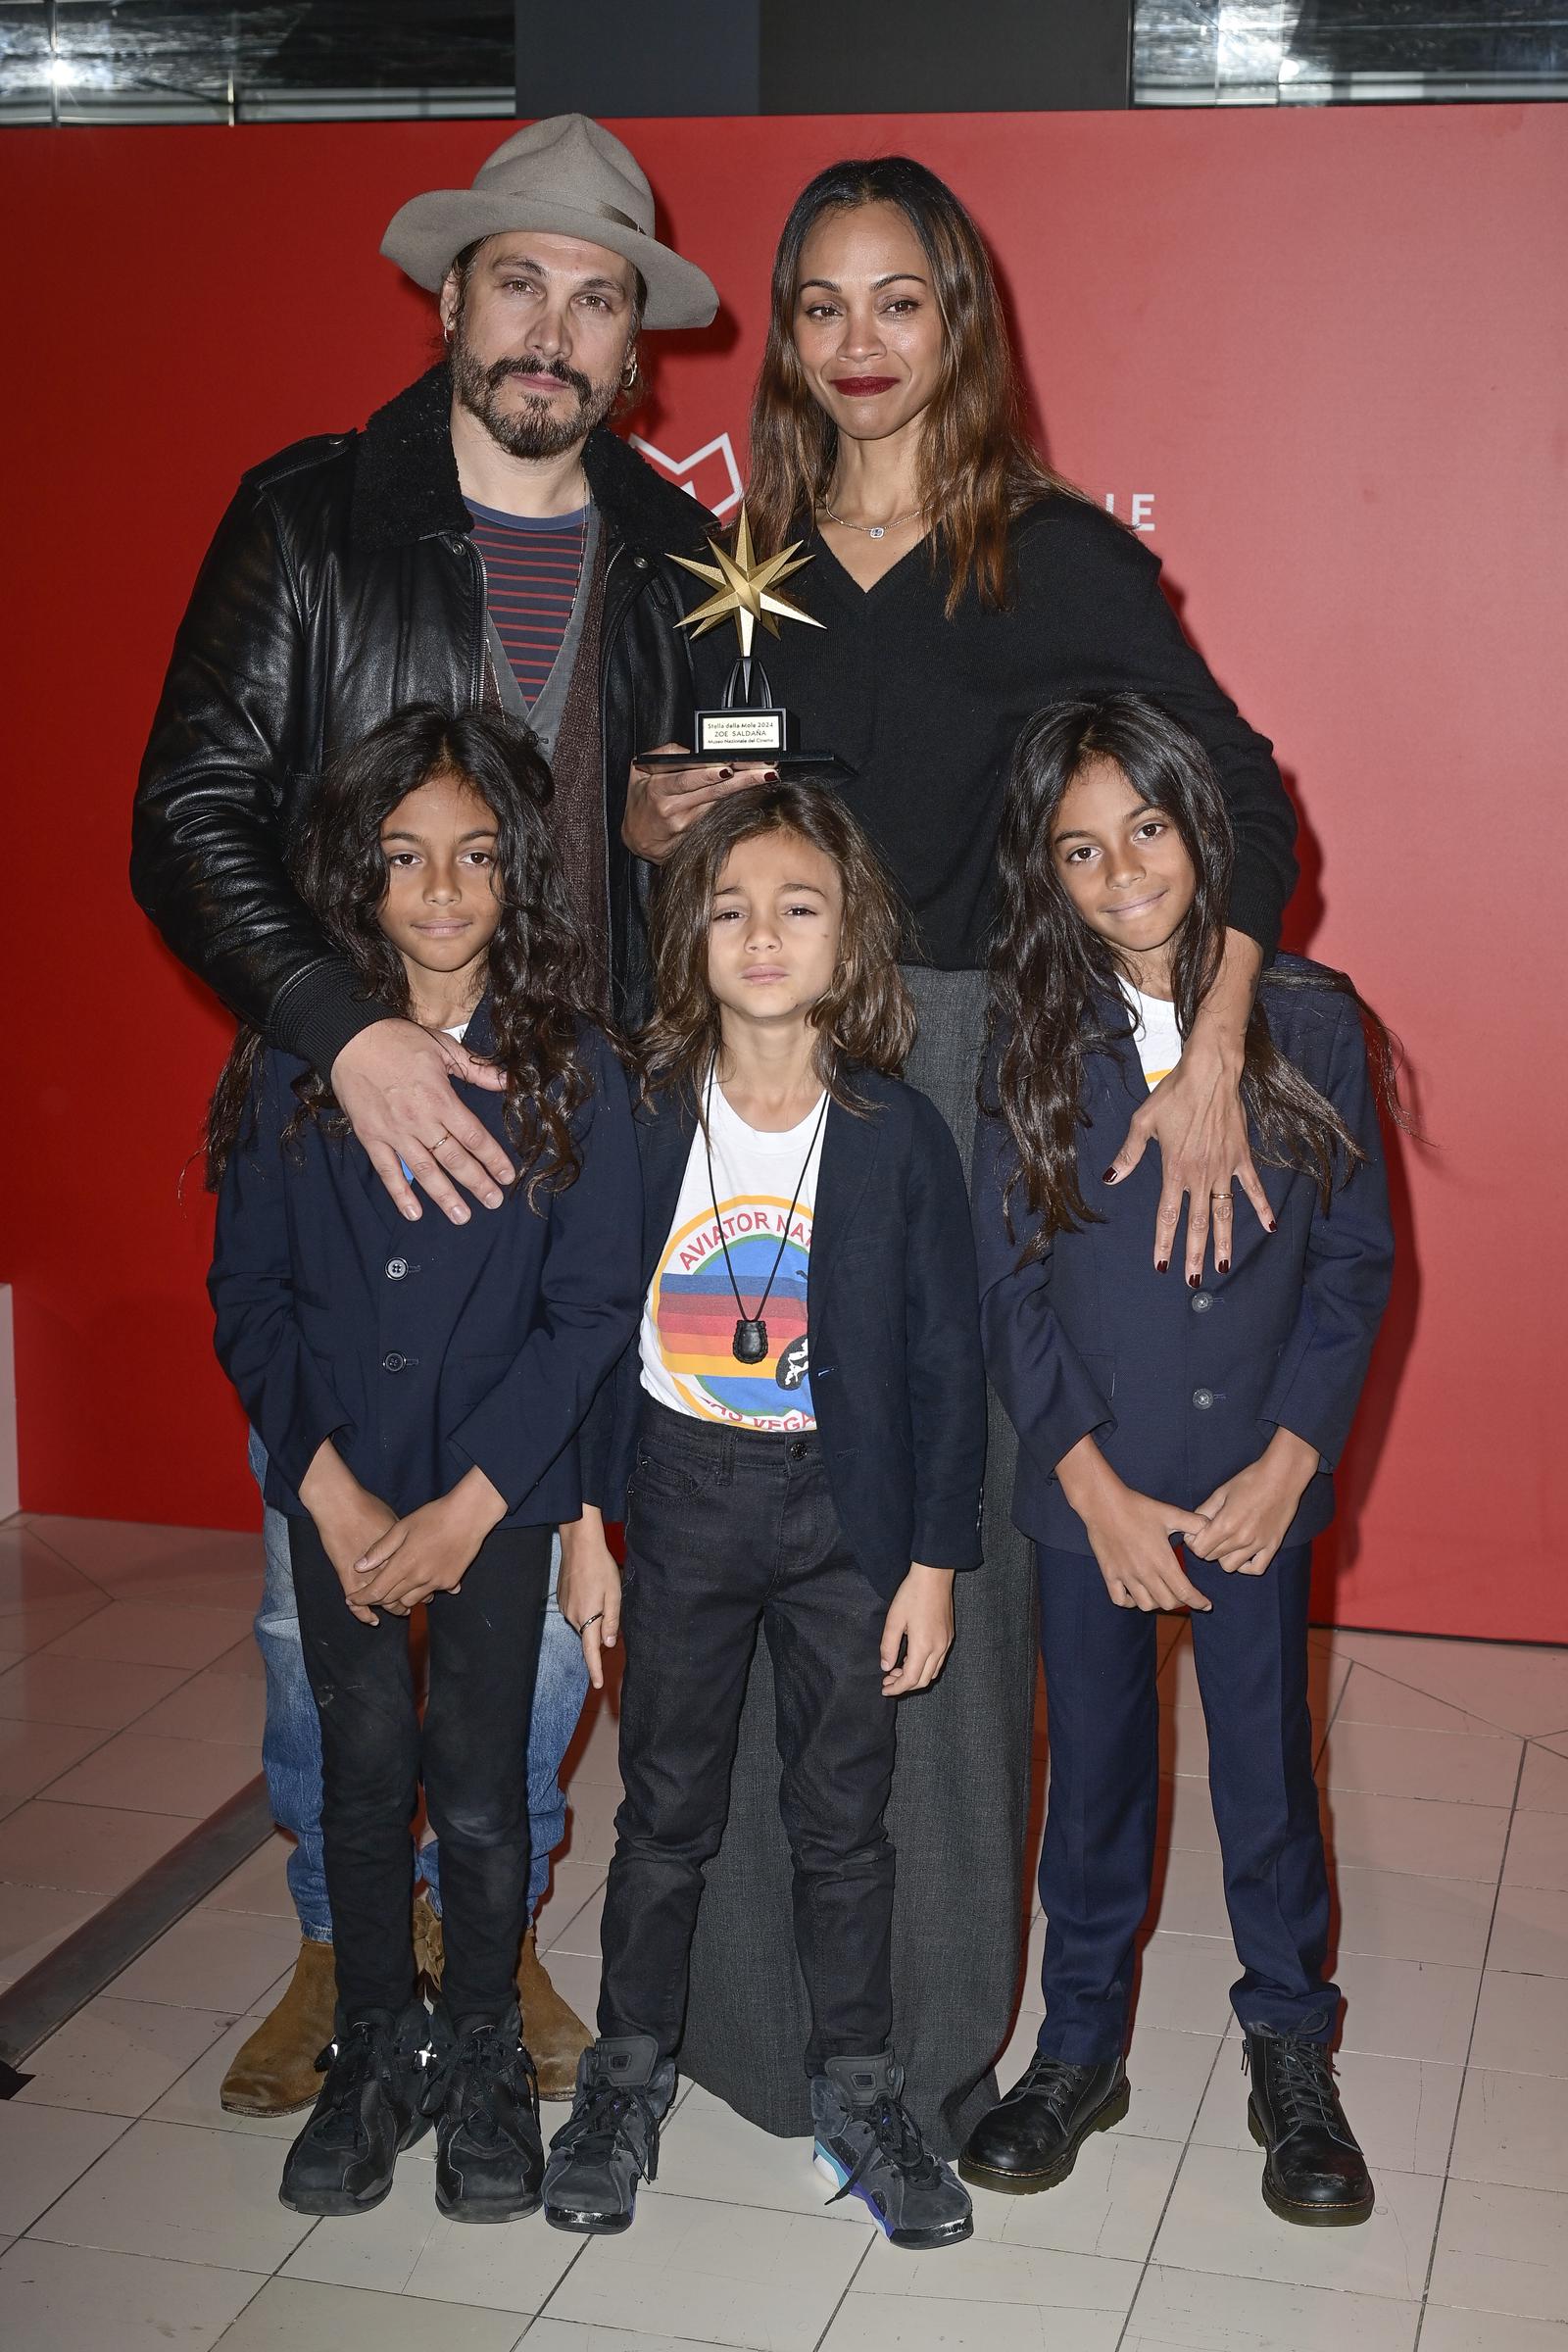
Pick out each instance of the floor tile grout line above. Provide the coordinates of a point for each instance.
(76, 2177)
(1147, 2264)
(849, 2289)
(1470, 2044)
(1503, 1730)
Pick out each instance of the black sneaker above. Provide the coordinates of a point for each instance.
(1031, 2138)
(869, 2146)
(484, 2097)
(367, 2112)
(610, 2142)
(1315, 2173)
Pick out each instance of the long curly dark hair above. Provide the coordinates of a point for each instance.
(865, 1017)
(978, 467)
(538, 977)
(1054, 980)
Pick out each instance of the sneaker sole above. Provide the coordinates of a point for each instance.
(458, 2209)
(1104, 2118)
(588, 2224)
(911, 2241)
(1307, 2217)
(337, 2204)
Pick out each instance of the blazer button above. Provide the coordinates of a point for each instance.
(396, 1268)
(1202, 1300)
(1202, 1398)
(394, 1363)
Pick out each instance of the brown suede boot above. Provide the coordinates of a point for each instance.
(555, 2034)
(429, 1946)
(274, 2072)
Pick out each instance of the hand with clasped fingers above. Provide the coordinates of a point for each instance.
(1248, 1517)
(431, 1550)
(1130, 1533)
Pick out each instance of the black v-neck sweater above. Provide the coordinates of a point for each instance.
(928, 709)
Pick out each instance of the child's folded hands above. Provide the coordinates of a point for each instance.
(430, 1550)
(1248, 1517)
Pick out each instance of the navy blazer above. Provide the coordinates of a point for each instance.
(1181, 1389)
(894, 1336)
(422, 1348)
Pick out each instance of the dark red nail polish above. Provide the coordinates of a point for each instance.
(1272, 1226)
(1110, 1177)
(1162, 1266)
(1222, 1265)
(1193, 1281)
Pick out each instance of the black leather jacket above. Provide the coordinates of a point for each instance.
(341, 585)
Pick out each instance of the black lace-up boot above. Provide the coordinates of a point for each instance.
(484, 2098)
(369, 2109)
(609, 2143)
(1315, 2173)
(1031, 2138)
(870, 2147)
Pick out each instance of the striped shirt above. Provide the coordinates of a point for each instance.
(532, 565)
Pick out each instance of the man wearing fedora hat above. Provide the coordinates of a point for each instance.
(484, 538)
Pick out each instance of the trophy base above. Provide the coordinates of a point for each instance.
(823, 767)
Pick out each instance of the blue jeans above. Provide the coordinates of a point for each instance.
(291, 1739)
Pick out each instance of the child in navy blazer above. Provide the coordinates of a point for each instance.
(797, 1443)
(419, 1390)
(1153, 1415)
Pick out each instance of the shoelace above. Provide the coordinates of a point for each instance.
(1055, 2081)
(599, 2128)
(1302, 2078)
(488, 2061)
(897, 2136)
(348, 2064)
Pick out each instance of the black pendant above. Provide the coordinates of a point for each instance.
(750, 1343)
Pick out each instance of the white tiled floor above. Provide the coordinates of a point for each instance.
(134, 2214)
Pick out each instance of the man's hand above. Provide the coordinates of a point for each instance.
(1194, 1116)
(432, 1549)
(589, 1590)
(394, 1085)
(348, 1519)
(1129, 1533)
(661, 801)
(920, 1623)
(1248, 1515)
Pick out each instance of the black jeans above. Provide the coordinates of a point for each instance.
(728, 1532)
(471, 1754)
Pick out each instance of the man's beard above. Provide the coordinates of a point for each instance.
(536, 429)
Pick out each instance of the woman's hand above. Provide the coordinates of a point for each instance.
(920, 1623)
(589, 1589)
(1194, 1116)
(661, 801)
(1129, 1533)
(393, 1082)
(347, 1518)
(432, 1549)
(1248, 1515)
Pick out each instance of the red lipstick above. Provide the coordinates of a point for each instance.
(863, 387)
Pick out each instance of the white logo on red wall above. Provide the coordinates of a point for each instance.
(711, 476)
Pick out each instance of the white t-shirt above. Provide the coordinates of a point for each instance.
(1154, 1032)
(688, 1317)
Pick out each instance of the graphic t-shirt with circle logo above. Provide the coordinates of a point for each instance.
(688, 1317)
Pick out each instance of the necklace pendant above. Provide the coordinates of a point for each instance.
(879, 530)
(750, 1343)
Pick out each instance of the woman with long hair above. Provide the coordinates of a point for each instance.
(962, 584)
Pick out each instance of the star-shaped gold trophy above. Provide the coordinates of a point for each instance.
(750, 728)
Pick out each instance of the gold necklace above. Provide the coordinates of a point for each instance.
(872, 531)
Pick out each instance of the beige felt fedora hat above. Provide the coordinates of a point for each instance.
(567, 176)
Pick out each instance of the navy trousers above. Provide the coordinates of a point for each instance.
(1097, 1864)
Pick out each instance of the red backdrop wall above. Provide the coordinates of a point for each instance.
(1324, 351)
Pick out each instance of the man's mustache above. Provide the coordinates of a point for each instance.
(496, 375)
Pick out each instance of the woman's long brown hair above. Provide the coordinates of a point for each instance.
(1054, 980)
(865, 1018)
(978, 467)
(538, 978)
